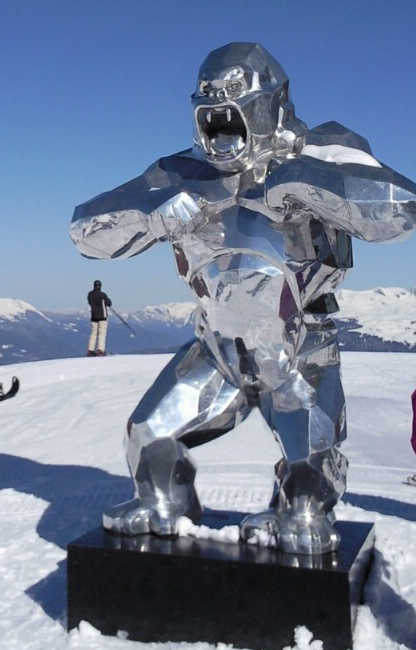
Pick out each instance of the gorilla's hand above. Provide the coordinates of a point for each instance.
(180, 214)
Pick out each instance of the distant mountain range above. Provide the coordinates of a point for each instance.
(381, 319)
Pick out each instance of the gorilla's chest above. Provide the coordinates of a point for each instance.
(235, 241)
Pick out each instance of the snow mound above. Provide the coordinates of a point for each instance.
(303, 640)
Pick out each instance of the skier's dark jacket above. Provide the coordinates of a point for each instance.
(98, 301)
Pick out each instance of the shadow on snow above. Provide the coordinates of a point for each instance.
(383, 505)
(77, 497)
(390, 609)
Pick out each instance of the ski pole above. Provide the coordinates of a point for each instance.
(123, 321)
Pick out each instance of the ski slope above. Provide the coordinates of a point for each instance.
(62, 462)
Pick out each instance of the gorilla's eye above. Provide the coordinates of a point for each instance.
(235, 86)
(205, 87)
(280, 94)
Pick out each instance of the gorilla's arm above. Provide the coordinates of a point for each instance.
(132, 217)
(346, 187)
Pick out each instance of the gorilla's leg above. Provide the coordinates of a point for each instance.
(308, 419)
(190, 403)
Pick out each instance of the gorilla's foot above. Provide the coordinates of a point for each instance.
(306, 534)
(260, 526)
(132, 518)
(313, 535)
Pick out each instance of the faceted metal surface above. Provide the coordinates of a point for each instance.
(260, 214)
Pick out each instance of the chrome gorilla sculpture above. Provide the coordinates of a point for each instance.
(260, 214)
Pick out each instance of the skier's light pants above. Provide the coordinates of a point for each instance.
(98, 330)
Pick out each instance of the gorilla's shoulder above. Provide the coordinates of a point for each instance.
(335, 133)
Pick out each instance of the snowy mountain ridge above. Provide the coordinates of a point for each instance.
(28, 334)
(172, 313)
(387, 313)
(11, 309)
(380, 319)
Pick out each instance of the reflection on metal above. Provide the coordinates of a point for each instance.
(260, 214)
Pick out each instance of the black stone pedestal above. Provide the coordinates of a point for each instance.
(184, 589)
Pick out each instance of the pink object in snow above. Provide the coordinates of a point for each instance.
(413, 439)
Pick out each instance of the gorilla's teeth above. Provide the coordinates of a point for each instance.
(228, 112)
(209, 116)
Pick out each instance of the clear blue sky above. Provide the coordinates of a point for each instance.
(93, 91)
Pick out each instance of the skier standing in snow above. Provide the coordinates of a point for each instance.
(412, 479)
(413, 438)
(98, 301)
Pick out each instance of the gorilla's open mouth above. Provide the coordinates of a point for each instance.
(222, 131)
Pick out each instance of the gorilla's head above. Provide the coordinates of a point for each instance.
(241, 100)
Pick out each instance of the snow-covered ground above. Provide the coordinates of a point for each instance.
(62, 463)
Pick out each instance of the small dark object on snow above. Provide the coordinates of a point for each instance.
(12, 391)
